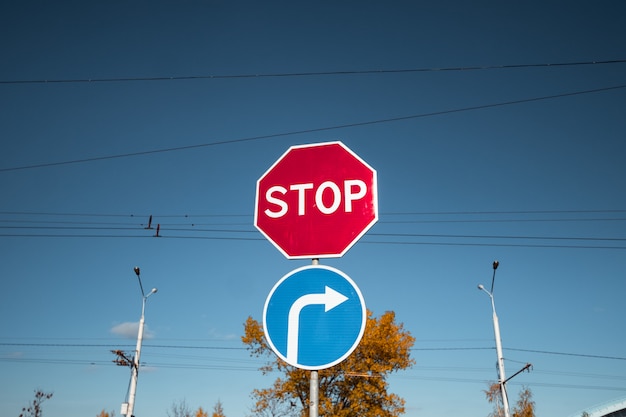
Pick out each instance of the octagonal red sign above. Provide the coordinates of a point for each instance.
(316, 201)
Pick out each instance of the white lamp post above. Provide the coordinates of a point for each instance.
(128, 410)
(496, 331)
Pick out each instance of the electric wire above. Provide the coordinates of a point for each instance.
(403, 213)
(366, 240)
(417, 373)
(313, 130)
(235, 231)
(249, 364)
(412, 213)
(407, 213)
(241, 368)
(369, 239)
(232, 348)
(316, 73)
(26, 224)
(580, 355)
(499, 245)
(18, 217)
(616, 219)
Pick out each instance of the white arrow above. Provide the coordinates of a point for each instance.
(330, 299)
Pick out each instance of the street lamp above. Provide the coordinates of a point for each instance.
(127, 408)
(496, 331)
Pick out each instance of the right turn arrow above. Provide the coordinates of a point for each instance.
(330, 298)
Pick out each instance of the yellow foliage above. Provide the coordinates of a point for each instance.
(355, 387)
(525, 406)
(218, 410)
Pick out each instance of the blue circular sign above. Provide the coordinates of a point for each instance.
(314, 317)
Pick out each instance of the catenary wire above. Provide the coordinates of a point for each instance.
(204, 347)
(313, 130)
(195, 230)
(418, 372)
(194, 224)
(316, 73)
(192, 231)
(407, 213)
(366, 241)
(230, 368)
(385, 218)
(251, 230)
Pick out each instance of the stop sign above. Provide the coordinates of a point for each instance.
(316, 201)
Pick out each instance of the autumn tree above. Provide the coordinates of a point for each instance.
(201, 413)
(525, 406)
(106, 414)
(218, 410)
(179, 409)
(494, 396)
(356, 387)
(34, 408)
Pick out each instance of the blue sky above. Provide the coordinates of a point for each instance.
(509, 159)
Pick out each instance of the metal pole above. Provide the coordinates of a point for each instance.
(496, 331)
(501, 375)
(127, 408)
(135, 365)
(314, 386)
(314, 394)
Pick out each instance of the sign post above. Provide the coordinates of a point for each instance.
(314, 382)
(315, 201)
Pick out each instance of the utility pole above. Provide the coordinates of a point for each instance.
(496, 331)
(502, 379)
(128, 407)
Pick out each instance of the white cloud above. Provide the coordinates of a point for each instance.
(129, 330)
(216, 335)
(148, 368)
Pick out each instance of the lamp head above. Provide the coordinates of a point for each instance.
(481, 287)
(145, 297)
(495, 265)
(137, 270)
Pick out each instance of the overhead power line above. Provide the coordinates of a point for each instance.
(367, 241)
(497, 237)
(168, 225)
(110, 345)
(580, 355)
(232, 368)
(421, 235)
(207, 347)
(193, 222)
(404, 213)
(314, 73)
(314, 130)
(129, 215)
(499, 245)
(25, 224)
